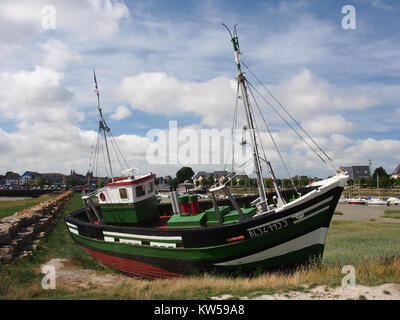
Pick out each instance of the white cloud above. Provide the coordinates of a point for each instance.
(385, 152)
(122, 112)
(306, 93)
(322, 125)
(59, 147)
(156, 92)
(38, 95)
(82, 20)
(58, 55)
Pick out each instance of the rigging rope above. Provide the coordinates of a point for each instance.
(116, 154)
(234, 124)
(289, 125)
(123, 158)
(287, 112)
(273, 140)
(104, 158)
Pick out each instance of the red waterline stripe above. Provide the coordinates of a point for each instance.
(131, 267)
(234, 239)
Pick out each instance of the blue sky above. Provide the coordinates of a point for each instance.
(342, 85)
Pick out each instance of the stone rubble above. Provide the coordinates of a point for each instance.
(19, 233)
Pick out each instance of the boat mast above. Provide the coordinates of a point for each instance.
(250, 122)
(102, 125)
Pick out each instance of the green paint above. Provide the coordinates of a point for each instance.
(130, 212)
(178, 220)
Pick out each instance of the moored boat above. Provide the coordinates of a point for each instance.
(121, 225)
(357, 201)
(392, 201)
(375, 201)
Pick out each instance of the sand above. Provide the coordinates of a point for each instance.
(388, 291)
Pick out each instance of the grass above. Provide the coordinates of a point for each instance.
(25, 272)
(338, 213)
(9, 207)
(391, 213)
(371, 247)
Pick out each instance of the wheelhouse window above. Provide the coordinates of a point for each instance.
(140, 191)
(123, 194)
(151, 186)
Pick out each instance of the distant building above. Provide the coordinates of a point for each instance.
(29, 177)
(357, 172)
(2, 179)
(54, 177)
(12, 178)
(201, 176)
(220, 175)
(161, 183)
(80, 178)
(396, 173)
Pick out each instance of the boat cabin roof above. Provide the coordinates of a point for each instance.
(131, 180)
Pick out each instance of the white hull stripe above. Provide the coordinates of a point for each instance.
(73, 231)
(163, 244)
(299, 214)
(312, 214)
(140, 236)
(315, 237)
(72, 225)
(130, 241)
(153, 244)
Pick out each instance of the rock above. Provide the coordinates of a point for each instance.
(6, 253)
(18, 243)
(5, 234)
(27, 234)
(19, 231)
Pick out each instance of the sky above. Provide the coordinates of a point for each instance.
(162, 61)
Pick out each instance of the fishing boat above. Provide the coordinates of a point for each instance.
(121, 225)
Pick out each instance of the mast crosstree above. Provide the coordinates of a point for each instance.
(102, 124)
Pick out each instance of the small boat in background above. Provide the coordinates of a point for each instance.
(392, 201)
(375, 201)
(357, 201)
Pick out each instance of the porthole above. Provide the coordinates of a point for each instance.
(102, 196)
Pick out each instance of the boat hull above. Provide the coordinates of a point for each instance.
(291, 236)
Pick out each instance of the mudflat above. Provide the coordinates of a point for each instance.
(363, 213)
